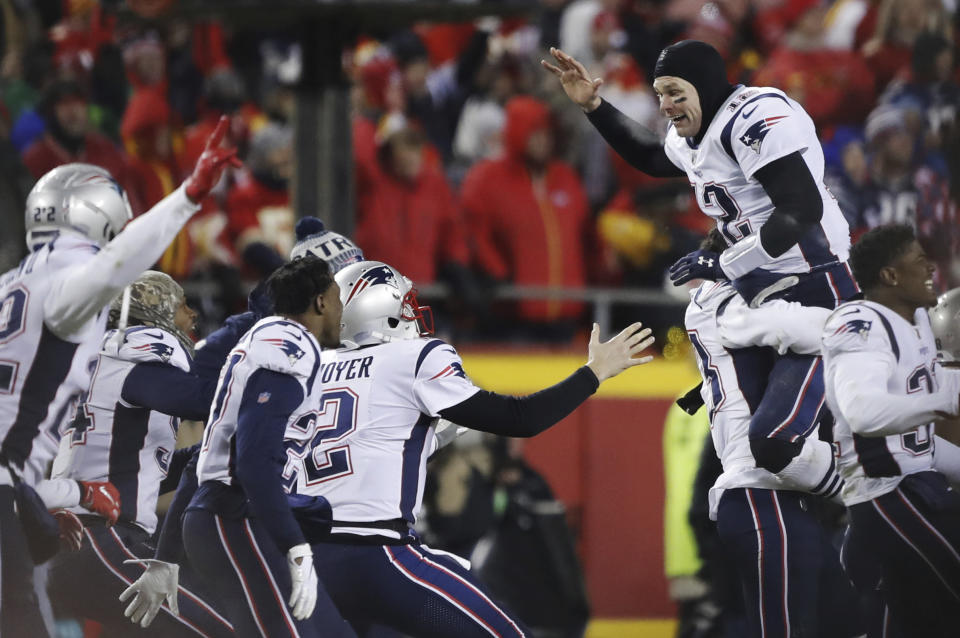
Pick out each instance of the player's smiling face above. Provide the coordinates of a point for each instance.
(679, 103)
(915, 277)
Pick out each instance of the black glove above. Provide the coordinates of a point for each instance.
(700, 264)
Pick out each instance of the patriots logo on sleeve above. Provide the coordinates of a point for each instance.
(855, 326)
(162, 350)
(452, 370)
(753, 138)
(293, 351)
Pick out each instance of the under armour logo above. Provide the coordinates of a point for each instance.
(705, 261)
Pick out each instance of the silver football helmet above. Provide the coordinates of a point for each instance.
(380, 305)
(81, 198)
(945, 320)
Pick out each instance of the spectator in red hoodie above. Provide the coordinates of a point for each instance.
(70, 138)
(527, 213)
(407, 216)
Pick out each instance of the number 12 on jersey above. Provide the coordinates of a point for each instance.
(731, 226)
(319, 456)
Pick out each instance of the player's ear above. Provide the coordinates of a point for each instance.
(318, 304)
(888, 276)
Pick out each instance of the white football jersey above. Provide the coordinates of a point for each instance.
(113, 440)
(366, 450)
(756, 126)
(872, 466)
(728, 393)
(40, 373)
(273, 343)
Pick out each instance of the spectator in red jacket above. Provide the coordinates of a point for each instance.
(70, 138)
(407, 216)
(260, 219)
(527, 213)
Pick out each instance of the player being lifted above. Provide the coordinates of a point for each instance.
(239, 532)
(886, 389)
(125, 432)
(756, 166)
(365, 452)
(51, 323)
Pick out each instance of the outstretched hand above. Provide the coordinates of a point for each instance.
(211, 163)
(575, 79)
(610, 358)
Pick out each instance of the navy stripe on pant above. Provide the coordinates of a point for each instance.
(913, 534)
(244, 568)
(87, 583)
(792, 581)
(413, 589)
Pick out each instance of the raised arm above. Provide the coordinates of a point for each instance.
(85, 290)
(639, 146)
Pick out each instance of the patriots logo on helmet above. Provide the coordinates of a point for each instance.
(293, 351)
(162, 350)
(373, 277)
(855, 326)
(753, 138)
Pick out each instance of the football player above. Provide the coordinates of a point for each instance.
(791, 575)
(239, 532)
(756, 166)
(51, 323)
(125, 432)
(886, 389)
(364, 451)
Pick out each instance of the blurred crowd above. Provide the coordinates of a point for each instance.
(471, 167)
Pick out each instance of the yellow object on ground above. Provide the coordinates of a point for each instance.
(631, 628)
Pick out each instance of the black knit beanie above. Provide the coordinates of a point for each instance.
(701, 65)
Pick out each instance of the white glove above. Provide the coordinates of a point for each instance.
(157, 583)
(304, 579)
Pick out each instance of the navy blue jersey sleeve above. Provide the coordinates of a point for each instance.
(524, 416)
(218, 344)
(268, 400)
(170, 541)
(641, 147)
(178, 463)
(169, 390)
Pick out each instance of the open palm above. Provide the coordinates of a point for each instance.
(576, 81)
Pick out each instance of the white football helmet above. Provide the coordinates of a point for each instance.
(380, 305)
(82, 198)
(945, 320)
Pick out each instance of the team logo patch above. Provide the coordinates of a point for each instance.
(452, 370)
(293, 351)
(855, 326)
(753, 138)
(373, 277)
(264, 397)
(162, 350)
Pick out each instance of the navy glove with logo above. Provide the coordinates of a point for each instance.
(700, 264)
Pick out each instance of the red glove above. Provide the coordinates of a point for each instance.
(71, 530)
(101, 498)
(211, 163)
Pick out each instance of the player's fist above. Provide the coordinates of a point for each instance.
(304, 579)
(700, 264)
(101, 498)
(71, 529)
(577, 83)
(211, 164)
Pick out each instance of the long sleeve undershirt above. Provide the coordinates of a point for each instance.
(798, 204)
(639, 146)
(169, 390)
(268, 401)
(524, 416)
(170, 541)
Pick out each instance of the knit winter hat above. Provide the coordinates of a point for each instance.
(314, 239)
